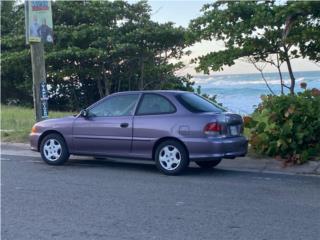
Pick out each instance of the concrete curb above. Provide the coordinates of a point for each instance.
(248, 164)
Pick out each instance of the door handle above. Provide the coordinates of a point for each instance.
(124, 125)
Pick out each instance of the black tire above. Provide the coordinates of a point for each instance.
(182, 153)
(208, 164)
(61, 154)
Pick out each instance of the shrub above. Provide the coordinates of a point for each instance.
(287, 126)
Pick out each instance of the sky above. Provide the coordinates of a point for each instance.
(182, 11)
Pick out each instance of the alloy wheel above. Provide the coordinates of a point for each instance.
(52, 150)
(169, 157)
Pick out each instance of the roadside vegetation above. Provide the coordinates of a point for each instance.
(287, 127)
(16, 122)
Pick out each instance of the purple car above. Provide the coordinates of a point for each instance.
(169, 127)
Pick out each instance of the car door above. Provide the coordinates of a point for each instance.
(108, 128)
(153, 120)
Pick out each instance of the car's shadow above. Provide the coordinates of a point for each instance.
(148, 167)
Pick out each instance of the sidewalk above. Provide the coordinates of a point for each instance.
(263, 165)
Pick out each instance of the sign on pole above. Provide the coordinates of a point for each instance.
(38, 21)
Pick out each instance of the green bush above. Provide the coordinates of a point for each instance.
(287, 126)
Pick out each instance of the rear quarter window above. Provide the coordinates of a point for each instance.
(197, 104)
(152, 104)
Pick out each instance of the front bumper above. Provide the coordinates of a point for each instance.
(215, 148)
(34, 140)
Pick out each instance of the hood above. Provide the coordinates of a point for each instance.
(55, 122)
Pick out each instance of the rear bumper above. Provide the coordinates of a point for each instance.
(215, 148)
(34, 139)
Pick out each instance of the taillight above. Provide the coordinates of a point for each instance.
(212, 129)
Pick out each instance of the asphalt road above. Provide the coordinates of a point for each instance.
(88, 199)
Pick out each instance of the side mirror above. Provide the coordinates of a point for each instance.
(84, 113)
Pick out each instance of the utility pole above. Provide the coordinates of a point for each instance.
(38, 21)
(39, 81)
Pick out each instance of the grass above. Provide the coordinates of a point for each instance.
(16, 122)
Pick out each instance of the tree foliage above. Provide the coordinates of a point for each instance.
(258, 30)
(100, 47)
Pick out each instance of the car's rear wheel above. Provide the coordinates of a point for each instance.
(54, 150)
(171, 157)
(208, 164)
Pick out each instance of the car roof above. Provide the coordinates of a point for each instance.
(152, 91)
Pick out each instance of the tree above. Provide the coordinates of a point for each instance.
(16, 78)
(258, 31)
(303, 27)
(100, 47)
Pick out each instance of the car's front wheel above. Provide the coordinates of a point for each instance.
(54, 150)
(208, 164)
(171, 157)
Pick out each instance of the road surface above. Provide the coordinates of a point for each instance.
(90, 199)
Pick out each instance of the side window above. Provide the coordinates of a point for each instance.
(155, 104)
(122, 105)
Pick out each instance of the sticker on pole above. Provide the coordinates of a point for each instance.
(44, 99)
(43, 91)
(38, 19)
(44, 109)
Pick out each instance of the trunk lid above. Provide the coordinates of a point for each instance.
(231, 124)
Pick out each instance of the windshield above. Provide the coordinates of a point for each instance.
(195, 103)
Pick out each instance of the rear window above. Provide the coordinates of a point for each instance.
(195, 103)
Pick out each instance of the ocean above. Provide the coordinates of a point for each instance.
(240, 93)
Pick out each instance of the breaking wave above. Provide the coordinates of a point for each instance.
(216, 82)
